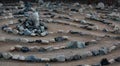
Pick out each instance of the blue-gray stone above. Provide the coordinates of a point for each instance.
(27, 32)
(24, 49)
(30, 58)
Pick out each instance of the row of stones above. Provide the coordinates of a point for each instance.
(115, 27)
(70, 45)
(60, 58)
(25, 40)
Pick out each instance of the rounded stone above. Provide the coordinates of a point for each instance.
(104, 61)
(60, 58)
(45, 59)
(15, 57)
(7, 55)
(21, 58)
(24, 49)
(30, 58)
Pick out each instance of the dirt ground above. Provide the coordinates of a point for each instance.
(5, 46)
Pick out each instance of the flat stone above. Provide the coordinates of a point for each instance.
(104, 61)
(59, 39)
(45, 41)
(60, 58)
(34, 48)
(25, 49)
(53, 60)
(7, 55)
(30, 58)
(76, 57)
(103, 50)
(21, 58)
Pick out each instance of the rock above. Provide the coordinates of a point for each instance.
(15, 31)
(76, 57)
(69, 58)
(104, 61)
(103, 50)
(83, 55)
(15, 57)
(111, 61)
(65, 37)
(21, 58)
(45, 59)
(50, 48)
(45, 41)
(52, 40)
(25, 40)
(30, 58)
(18, 47)
(38, 41)
(44, 33)
(117, 59)
(89, 53)
(60, 58)
(75, 44)
(7, 55)
(10, 22)
(95, 52)
(47, 64)
(38, 59)
(112, 48)
(42, 49)
(25, 49)
(12, 49)
(27, 32)
(83, 21)
(9, 30)
(34, 48)
(100, 5)
(74, 10)
(59, 39)
(33, 34)
(73, 32)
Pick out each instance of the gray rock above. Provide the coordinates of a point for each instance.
(15, 57)
(44, 33)
(30, 58)
(21, 58)
(50, 48)
(75, 44)
(60, 58)
(95, 52)
(103, 50)
(7, 55)
(47, 64)
(27, 32)
(117, 59)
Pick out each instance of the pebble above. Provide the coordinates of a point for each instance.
(27, 32)
(30, 58)
(103, 50)
(50, 48)
(22, 58)
(47, 64)
(112, 48)
(42, 49)
(45, 59)
(45, 41)
(15, 57)
(111, 61)
(44, 33)
(2, 39)
(52, 40)
(95, 52)
(18, 47)
(117, 59)
(15, 31)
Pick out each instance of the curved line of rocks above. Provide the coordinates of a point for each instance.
(61, 58)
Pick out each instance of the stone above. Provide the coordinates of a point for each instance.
(73, 32)
(9, 30)
(30, 58)
(18, 47)
(104, 61)
(59, 39)
(25, 40)
(83, 21)
(100, 5)
(44, 33)
(83, 55)
(89, 53)
(47, 64)
(38, 59)
(75, 44)
(15, 31)
(38, 41)
(45, 41)
(33, 34)
(45, 59)
(25, 49)
(50, 48)
(34, 48)
(21, 58)
(7, 55)
(52, 40)
(112, 48)
(111, 61)
(95, 52)
(117, 59)
(103, 50)
(12, 49)
(60, 58)
(69, 58)
(10, 22)
(76, 57)
(27, 32)
(15, 57)
(42, 49)
(65, 37)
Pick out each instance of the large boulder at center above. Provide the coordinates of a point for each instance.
(75, 44)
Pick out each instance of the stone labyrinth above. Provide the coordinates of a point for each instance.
(62, 34)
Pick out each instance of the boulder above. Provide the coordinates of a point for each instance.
(60, 58)
(25, 49)
(104, 61)
(9, 30)
(30, 58)
(83, 21)
(75, 44)
(52, 40)
(112, 48)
